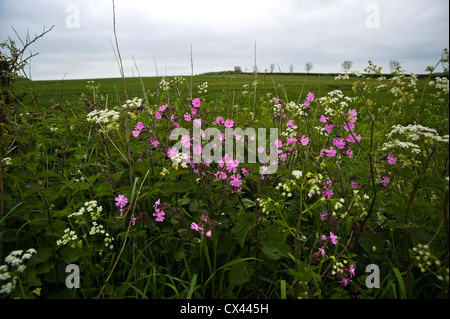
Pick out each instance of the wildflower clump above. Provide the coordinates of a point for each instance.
(13, 267)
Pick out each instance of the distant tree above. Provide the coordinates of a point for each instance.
(393, 64)
(308, 67)
(291, 68)
(346, 65)
(237, 70)
(272, 67)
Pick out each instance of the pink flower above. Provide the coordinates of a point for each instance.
(304, 140)
(323, 119)
(278, 143)
(345, 281)
(208, 233)
(139, 126)
(139, 159)
(323, 216)
(194, 226)
(333, 238)
(221, 175)
(229, 123)
(310, 97)
(322, 252)
(350, 138)
(349, 152)
(155, 143)
(187, 117)
(350, 126)
(290, 123)
(158, 115)
(121, 201)
(236, 180)
(193, 111)
(331, 152)
(219, 120)
(385, 181)
(172, 152)
(156, 204)
(260, 149)
(162, 107)
(159, 214)
(352, 270)
(196, 102)
(339, 142)
(329, 128)
(327, 193)
(291, 140)
(354, 185)
(277, 100)
(198, 149)
(232, 165)
(391, 159)
(185, 140)
(198, 122)
(136, 133)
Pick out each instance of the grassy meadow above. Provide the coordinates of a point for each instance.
(97, 202)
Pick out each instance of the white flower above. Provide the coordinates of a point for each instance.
(297, 174)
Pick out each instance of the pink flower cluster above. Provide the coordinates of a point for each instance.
(159, 213)
(140, 127)
(339, 141)
(230, 165)
(309, 99)
(121, 202)
(204, 220)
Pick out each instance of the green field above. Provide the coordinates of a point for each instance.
(341, 199)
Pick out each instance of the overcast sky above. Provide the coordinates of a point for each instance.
(223, 34)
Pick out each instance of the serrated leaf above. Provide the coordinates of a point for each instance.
(240, 273)
(244, 223)
(273, 245)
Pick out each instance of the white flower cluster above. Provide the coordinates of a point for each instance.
(416, 131)
(94, 210)
(6, 161)
(297, 174)
(203, 88)
(132, 104)
(440, 83)
(296, 109)
(15, 259)
(335, 102)
(69, 237)
(90, 207)
(103, 116)
(180, 158)
(164, 84)
(347, 74)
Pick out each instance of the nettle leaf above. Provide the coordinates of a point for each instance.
(273, 245)
(240, 273)
(244, 223)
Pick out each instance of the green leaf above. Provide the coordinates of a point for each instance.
(273, 245)
(240, 273)
(244, 223)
